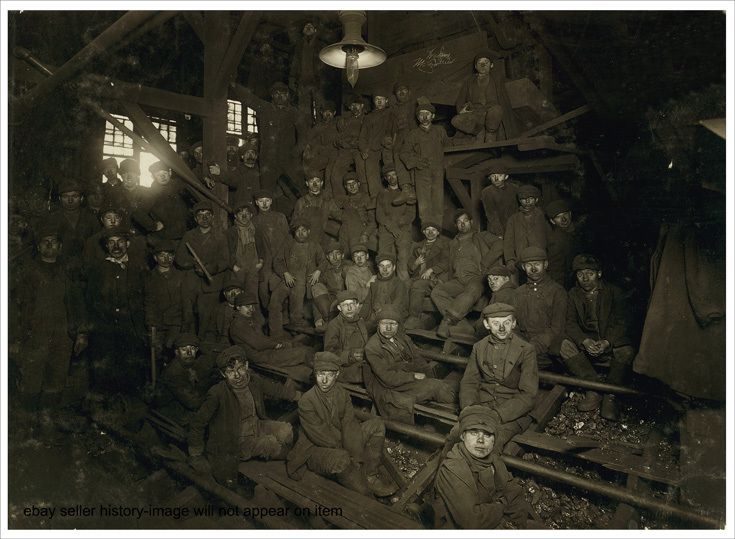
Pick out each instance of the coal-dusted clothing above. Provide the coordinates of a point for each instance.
(376, 126)
(316, 210)
(428, 179)
(331, 435)
(164, 203)
(541, 311)
(501, 374)
(357, 278)
(344, 337)
(244, 254)
(598, 315)
(182, 389)
(271, 231)
(436, 255)
(476, 493)
(390, 381)
(94, 248)
(358, 220)
(222, 416)
(164, 304)
(499, 204)
(261, 348)
(244, 180)
(74, 229)
(391, 291)
(395, 228)
(524, 230)
(562, 246)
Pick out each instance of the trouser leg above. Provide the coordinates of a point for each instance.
(437, 193)
(372, 172)
(296, 300)
(275, 308)
(465, 300)
(443, 295)
(420, 288)
(424, 195)
(403, 253)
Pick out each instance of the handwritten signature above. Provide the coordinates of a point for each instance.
(433, 59)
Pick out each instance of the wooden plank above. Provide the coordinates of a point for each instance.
(546, 145)
(239, 42)
(358, 511)
(510, 165)
(579, 111)
(196, 21)
(486, 145)
(548, 406)
(392, 469)
(419, 482)
(463, 196)
(431, 335)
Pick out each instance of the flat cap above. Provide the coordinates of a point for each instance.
(162, 244)
(357, 248)
(195, 145)
(499, 270)
(555, 207)
(243, 200)
(350, 175)
(67, 186)
(398, 85)
(232, 281)
(262, 193)
(532, 253)
(333, 245)
(186, 339)
(246, 298)
(118, 231)
(108, 162)
(311, 173)
(129, 165)
(487, 53)
(231, 140)
(278, 85)
(423, 103)
(388, 167)
(46, 230)
(460, 212)
(158, 165)
(326, 361)
(344, 295)
(230, 353)
(380, 257)
(528, 190)
(477, 416)
(498, 310)
(300, 221)
(433, 224)
(389, 312)
(203, 205)
(109, 207)
(586, 261)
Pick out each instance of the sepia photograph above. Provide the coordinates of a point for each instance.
(415, 266)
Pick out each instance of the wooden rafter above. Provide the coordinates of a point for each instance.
(196, 21)
(239, 42)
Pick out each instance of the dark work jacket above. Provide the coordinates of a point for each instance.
(164, 203)
(271, 230)
(523, 231)
(342, 336)
(178, 395)
(74, 233)
(163, 299)
(499, 205)
(541, 310)
(501, 374)
(392, 291)
(611, 316)
(436, 254)
(212, 250)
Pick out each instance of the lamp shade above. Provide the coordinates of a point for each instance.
(353, 52)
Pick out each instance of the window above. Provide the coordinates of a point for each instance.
(252, 121)
(234, 118)
(120, 146)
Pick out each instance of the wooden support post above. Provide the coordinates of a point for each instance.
(239, 42)
(216, 39)
(196, 21)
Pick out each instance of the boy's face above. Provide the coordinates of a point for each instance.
(236, 373)
(478, 442)
(391, 178)
(528, 203)
(496, 282)
(360, 258)
(352, 186)
(246, 310)
(500, 327)
(187, 354)
(325, 380)
(498, 180)
(164, 259)
(425, 117)
(204, 218)
(386, 268)
(110, 173)
(335, 257)
(328, 115)
(70, 200)
(357, 109)
(563, 219)
(588, 279)
(535, 269)
(349, 308)
(111, 219)
(431, 233)
(314, 185)
(231, 293)
(279, 97)
(243, 215)
(464, 223)
(131, 180)
(402, 94)
(301, 234)
(380, 102)
(483, 66)
(388, 328)
(49, 247)
(250, 156)
(162, 177)
(264, 204)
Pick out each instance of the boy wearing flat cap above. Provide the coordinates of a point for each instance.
(74, 223)
(526, 227)
(500, 201)
(332, 441)
(233, 413)
(396, 375)
(474, 490)
(297, 268)
(378, 129)
(387, 289)
(331, 282)
(358, 214)
(347, 335)
(359, 276)
(596, 331)
(501, 373)
(564, 242)
(348, 153)
(271, 232)
(428, 266)
(316, 207)
(395, 221)
(423, 154)
(541, 306)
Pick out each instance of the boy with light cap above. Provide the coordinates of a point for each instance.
(541, 306)
(358, 215)
(376, 140)
(500, 201)
(331, 282)
(395, 222)
(596, 331)
(112, 217)
(271, 232)
(234, 415)
(246, 330)
(483, 105)
(185, 381)
(297, 267)
(423, 154)
(396, 375)
(501, 373)
(474, 489)
(525, 228)
(347, 335)
(427, 267)
(387, 289)
(359, 276)
(332, 441)
(163, 210)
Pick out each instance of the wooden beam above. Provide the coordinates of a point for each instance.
(145, 95)
(584, 109)
(464, 197)
(510, 165)
(239, 42)
(114, 33)
(196, 21)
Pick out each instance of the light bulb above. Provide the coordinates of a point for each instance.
(351, 67)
